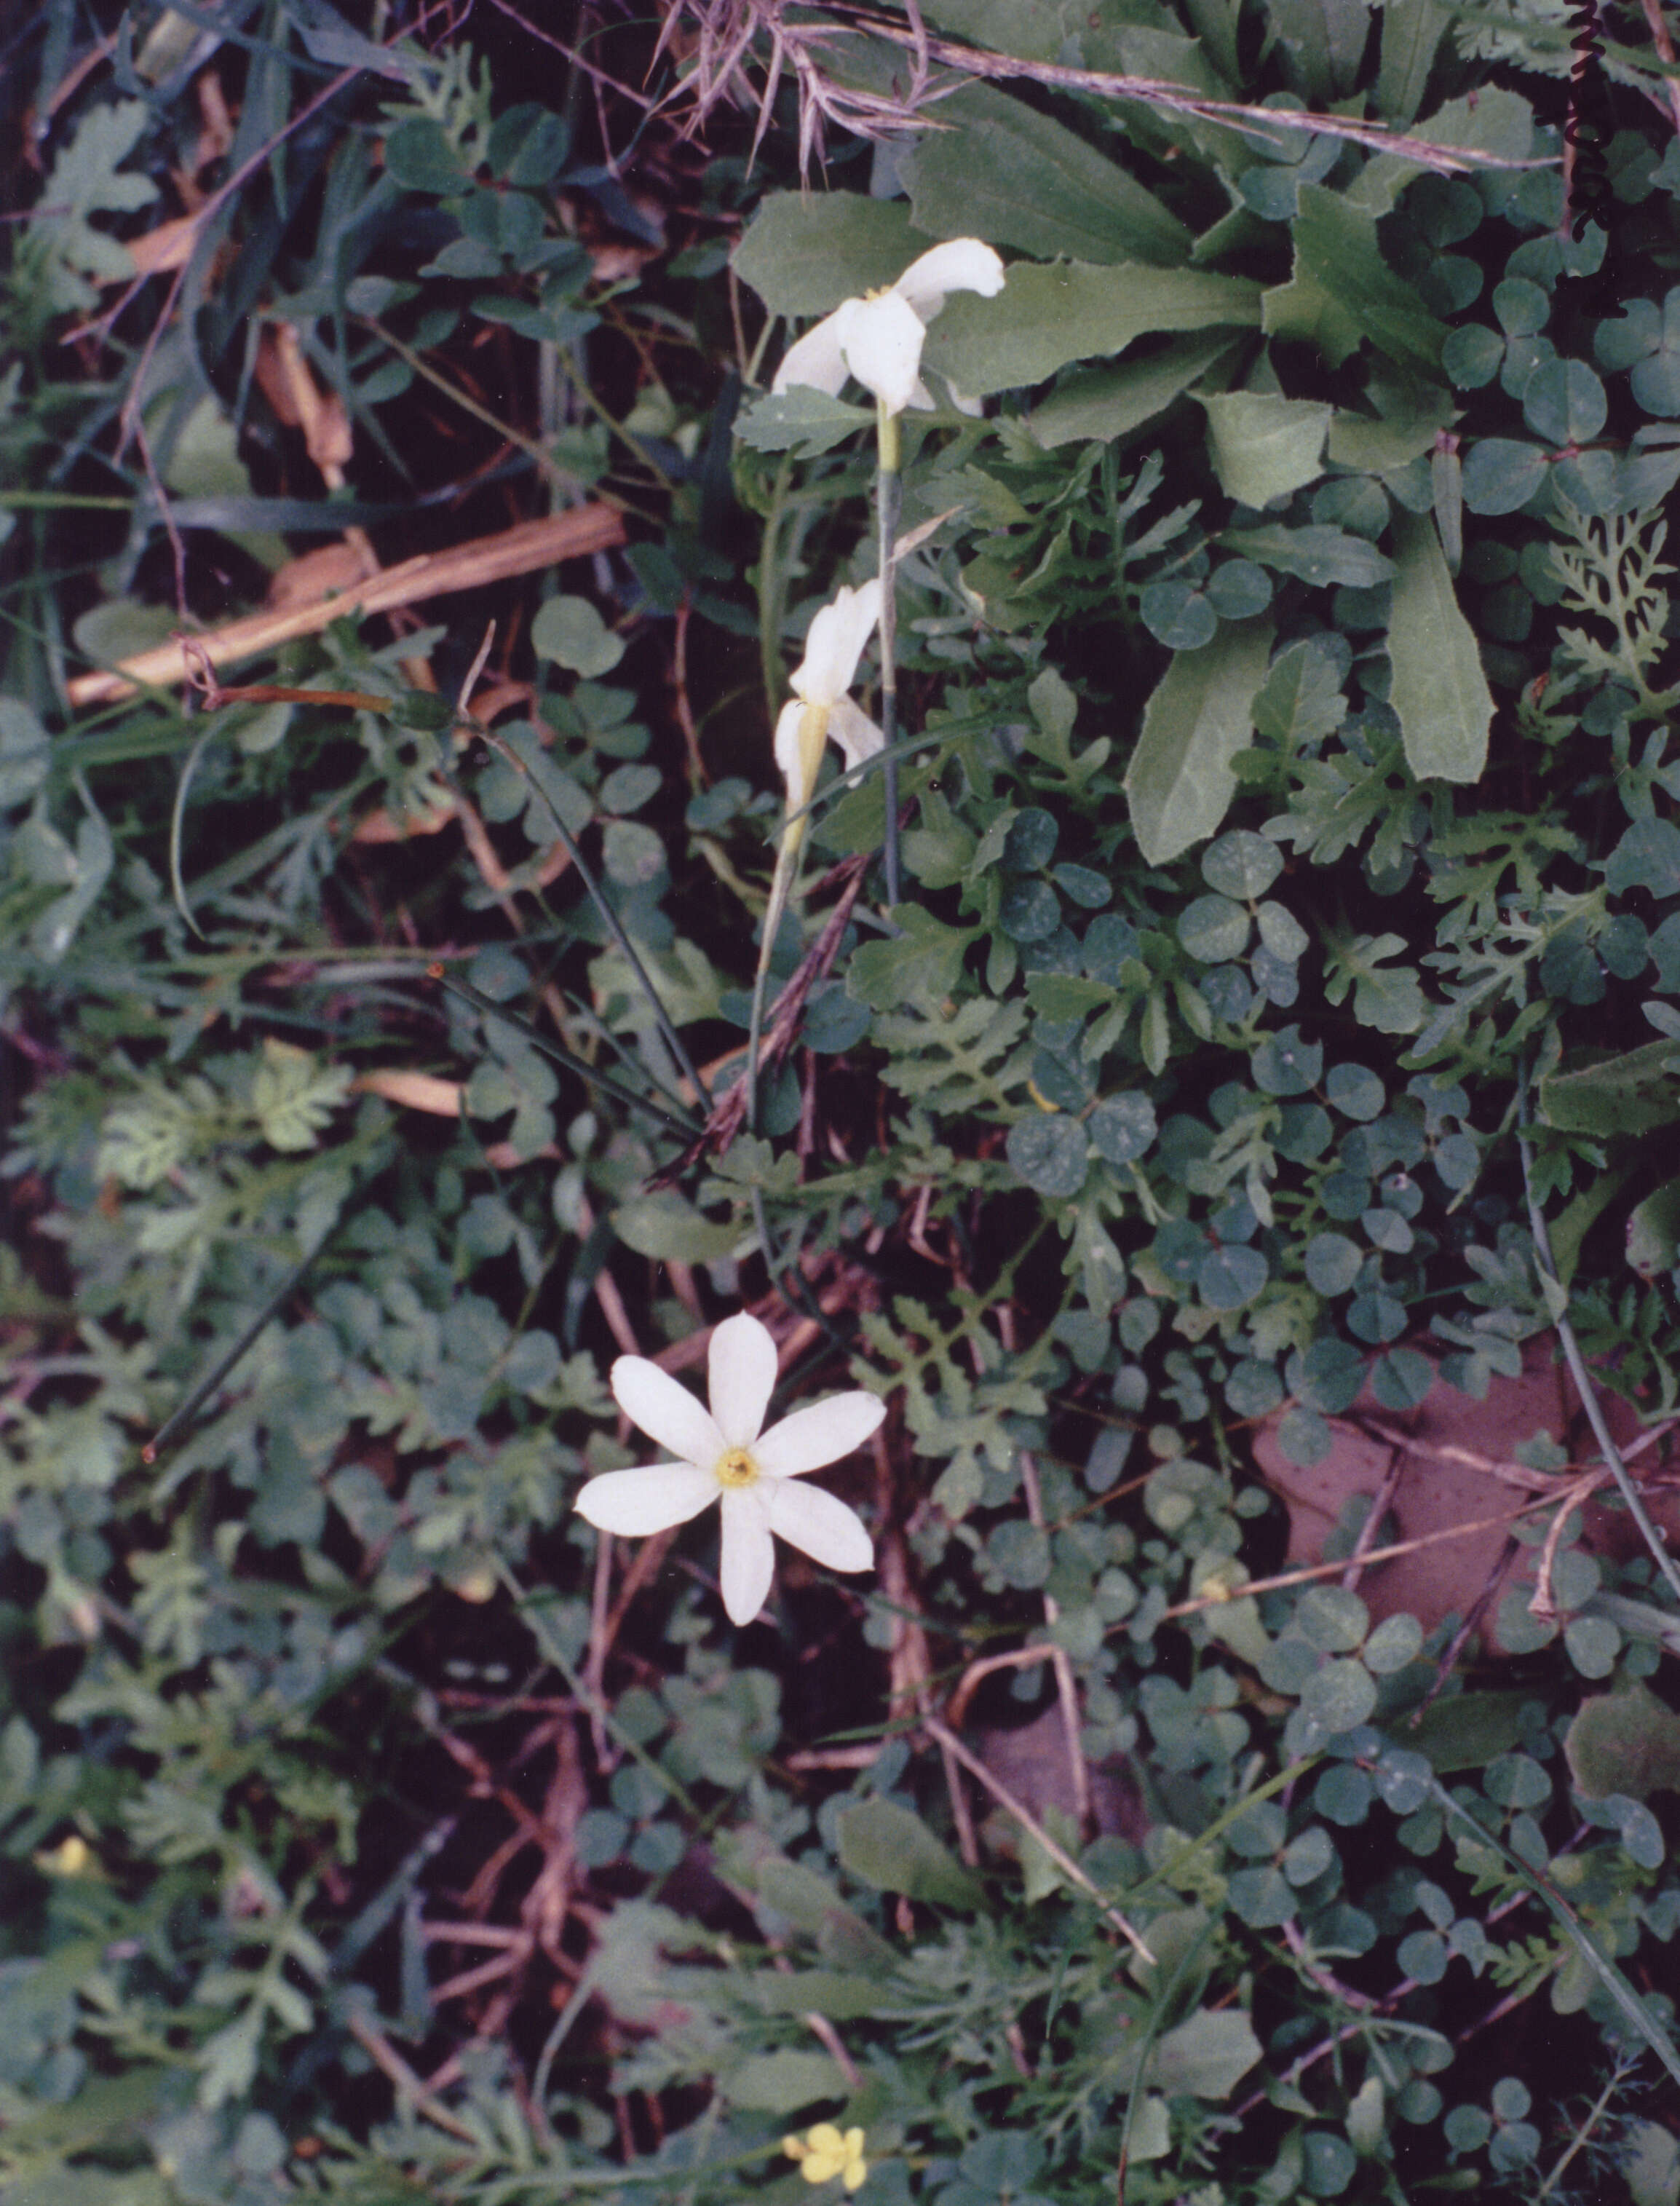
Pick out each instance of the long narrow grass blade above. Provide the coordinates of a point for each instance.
(597, 1025)
(1629, 2004)
(888, 499)
(688, 1127)
(212, 1379)
(177, 821)
(1557, 1298)
(609, 917)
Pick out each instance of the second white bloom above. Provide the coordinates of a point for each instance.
(819, 707)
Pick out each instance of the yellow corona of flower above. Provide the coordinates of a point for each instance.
(823, 2153)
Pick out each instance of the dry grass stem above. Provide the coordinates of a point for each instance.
(956, 1708)
(734, 38)
(1307, 1571)
(948, 1742)
(524, 549)
(386, 2058)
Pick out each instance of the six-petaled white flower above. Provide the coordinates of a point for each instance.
(878, 339)
(724, 1456)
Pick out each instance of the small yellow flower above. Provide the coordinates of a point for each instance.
(823, 2153)
(72, 1856)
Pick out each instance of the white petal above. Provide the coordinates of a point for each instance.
(815, 360)
(852, 727)
(743, 1366)
(834, 644)
(790, 755)
(666, 1412)
(960, 399)
(638, 1502)
(748, 1561)
(822, 1433)
(820, 1527)
(962, 264)
(881, 340)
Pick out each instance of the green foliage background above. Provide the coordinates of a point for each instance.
(1291, 930)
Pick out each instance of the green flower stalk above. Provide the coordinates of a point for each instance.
(819, 709)
(878, 339)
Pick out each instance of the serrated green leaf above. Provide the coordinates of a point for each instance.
(1317, 554)
(1045, 317)
(665, 1226)
(1438, 688)
(1001, 171)
(1205, 2057)
(1301, 698)
(1180, 782)
(919, 965)
(804, 252)
(1632, 1093)
(889, 1848)
(801, 419)
(86, 180)
(1342, 290)
(1264, 446)
(293, 1095)
(1107, 403)
(777, 2083)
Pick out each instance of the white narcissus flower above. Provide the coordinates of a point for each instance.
(724, 1456)
(819, 707)
(878, 339)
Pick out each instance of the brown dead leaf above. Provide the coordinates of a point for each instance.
(319, 574)
(383, 827)
(290, 386)
(163, 250)
(413, 1091)
(1459, 1467)
(216, 134)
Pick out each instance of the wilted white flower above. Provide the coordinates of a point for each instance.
(878, 339)
(819, 707)
(724, 1456)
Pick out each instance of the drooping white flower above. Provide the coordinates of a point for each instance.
(724, 1456)
(878, 339)
(819, 707)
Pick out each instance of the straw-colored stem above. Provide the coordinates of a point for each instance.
(889, 498)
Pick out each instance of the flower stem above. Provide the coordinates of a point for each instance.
(889, 498)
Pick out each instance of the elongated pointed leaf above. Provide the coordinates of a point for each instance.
(804, 253)
(1412, 30)
(1000, 170)
(1342, 290)
(1262, 445)
(1180, 782)
(1439, 689)
(1045, 317)
(1112, 402)
(888, 1846)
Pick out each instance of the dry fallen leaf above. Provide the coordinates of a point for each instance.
(1459, 1466)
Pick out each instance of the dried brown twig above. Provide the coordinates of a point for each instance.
(732, 38)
